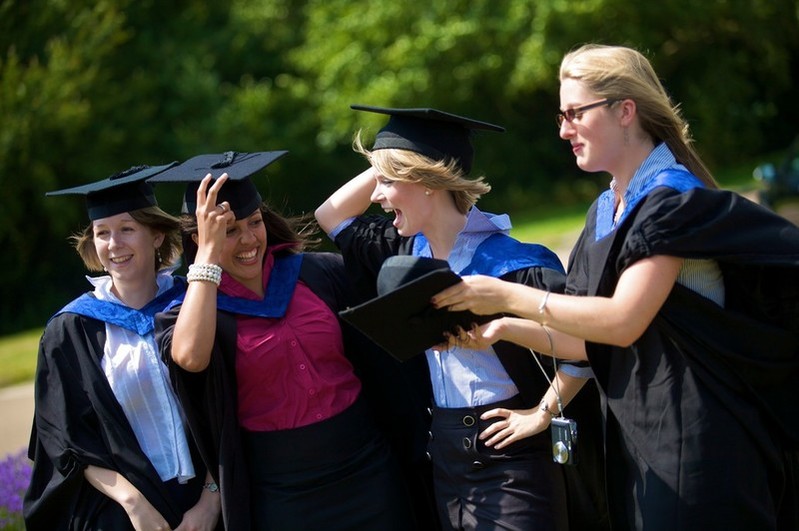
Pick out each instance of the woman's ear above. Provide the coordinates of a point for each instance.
(195, 237)
(628, 111)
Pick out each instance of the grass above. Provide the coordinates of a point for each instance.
(18, 357)
(554, 229)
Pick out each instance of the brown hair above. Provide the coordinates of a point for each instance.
(151, 217)
(617, 72)
(295, 230)
(412, 167)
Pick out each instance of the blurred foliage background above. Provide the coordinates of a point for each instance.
(91, 88)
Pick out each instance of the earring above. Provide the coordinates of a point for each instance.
(158, 255)
(626, 137)
(427, 192)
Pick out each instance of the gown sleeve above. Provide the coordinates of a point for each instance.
(753, 341)
(365, 244)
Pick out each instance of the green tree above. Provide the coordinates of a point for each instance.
(46, 111)
(731, 64)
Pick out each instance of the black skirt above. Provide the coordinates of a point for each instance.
(335, 474)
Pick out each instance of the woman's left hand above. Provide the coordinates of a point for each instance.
(516, 424)
(204, 515)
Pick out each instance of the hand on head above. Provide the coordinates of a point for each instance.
(212, 219)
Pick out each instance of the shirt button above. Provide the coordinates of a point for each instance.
(293, 343)
(302, 366)
(311, 392)
(318, 416)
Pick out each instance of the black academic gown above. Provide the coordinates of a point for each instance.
(78, 422)
(700, 410)
(365, 245)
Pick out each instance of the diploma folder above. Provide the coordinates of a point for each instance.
(402, 320)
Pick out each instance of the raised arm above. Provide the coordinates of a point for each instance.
(195, 328)
(617, 320)
(351, 200)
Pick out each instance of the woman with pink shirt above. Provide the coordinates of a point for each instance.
(261, 364)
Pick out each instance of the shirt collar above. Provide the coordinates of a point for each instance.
(658, 160)
(103, 284)
(479, 221)
(234, 288)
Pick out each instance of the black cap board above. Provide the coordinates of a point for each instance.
(401, 319)
(239, 191)
(125, 191)
(436, 134)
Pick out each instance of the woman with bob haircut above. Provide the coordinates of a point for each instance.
(109, 446)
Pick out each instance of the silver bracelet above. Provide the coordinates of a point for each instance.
(205, 273)
(543, 406)
(542, 308)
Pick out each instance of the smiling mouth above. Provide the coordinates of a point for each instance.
(247, 256)
(121, 259)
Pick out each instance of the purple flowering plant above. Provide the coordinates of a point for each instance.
(15, 475)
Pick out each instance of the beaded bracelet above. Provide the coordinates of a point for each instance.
(205, 273)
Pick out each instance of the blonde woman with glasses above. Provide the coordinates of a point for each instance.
(684, 299)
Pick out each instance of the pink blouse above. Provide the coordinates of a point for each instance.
(291, 371)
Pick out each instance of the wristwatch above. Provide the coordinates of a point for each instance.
(212, 487)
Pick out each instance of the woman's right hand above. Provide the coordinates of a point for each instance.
(212, 220)
(351, 200)
(479, 337)
(141, 512)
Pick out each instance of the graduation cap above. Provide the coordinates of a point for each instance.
(239, 190)
(430, 132)
(401, 319)
(125, 191)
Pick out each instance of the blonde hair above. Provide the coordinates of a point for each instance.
(151, 217)
(412, 167)
(618, 72)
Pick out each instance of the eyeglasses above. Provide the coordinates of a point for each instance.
(576, 113)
